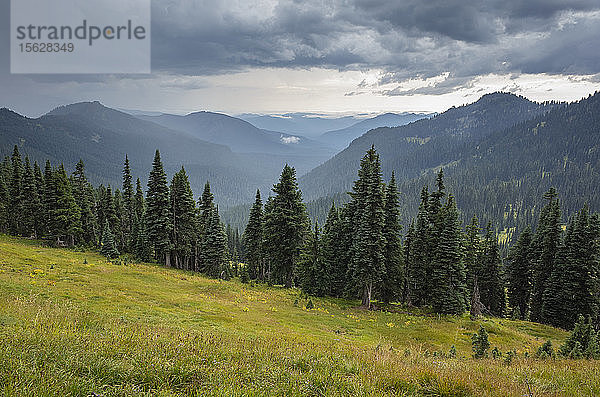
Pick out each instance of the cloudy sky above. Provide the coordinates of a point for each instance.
(337, 56)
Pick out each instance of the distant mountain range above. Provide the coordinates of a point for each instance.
(341, 138)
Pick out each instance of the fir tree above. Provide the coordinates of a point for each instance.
(448, 273)
(333, 253)
(313, 276)
(108, 248)
(15, 203)
(518, 274)
(128, 203)
(253, 240)
(391, 286)
(419, 255)
(183, 212)
(66, 214)
(4, 207)
(545, 245)
(139, 204)
(491, 284)
(213, 248)
(285, 227)
(31, 202)
(368, 261)
(83, 194)
(158, 216)
(473, 252)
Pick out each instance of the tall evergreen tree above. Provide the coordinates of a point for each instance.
(183, 213)
(31, 202)
(333, 252)
(128, 204)
(213, 248)
(15, 203)
(311, 270)
(391, 286)
(419, 256)
(518, 272)
(4, 207)
(545, 246)
(50, 198)
(368, 261)
(448, 276)
(108, 248)
(253, 240)
(66, 214)
(285, 227)
(473, 253)
(84, 197)
(491, 283)
(139, 203)
(158, 214)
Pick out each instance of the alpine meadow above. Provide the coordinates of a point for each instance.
(281, 198)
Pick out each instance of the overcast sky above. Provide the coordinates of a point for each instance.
(337, 56)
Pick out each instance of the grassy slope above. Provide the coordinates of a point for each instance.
(69, 328)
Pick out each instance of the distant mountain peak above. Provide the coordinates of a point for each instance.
(79, 107)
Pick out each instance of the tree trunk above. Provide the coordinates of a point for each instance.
(168, 259)
(366, 300)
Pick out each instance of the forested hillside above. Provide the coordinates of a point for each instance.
(101, 137)
(495, 171)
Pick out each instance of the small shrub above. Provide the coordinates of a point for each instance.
(508, 358)
(244, 277)
(480, 343)
(496, 354)
(545, 351)
(310, 305)
(452, 352)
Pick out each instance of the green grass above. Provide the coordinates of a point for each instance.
(69, 328)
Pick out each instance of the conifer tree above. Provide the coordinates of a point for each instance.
(15, 203)
(473, 253)
(419, 255)
(108, 248)
(183, 213)
(518, 272)
(50, 198)
(213, 248)
(128, 203)
(448, 274)
(109, 210)
(391, 286)
(368, 260)
(31, 202)
(332, 245)
(139, 203)
(83, 194)
(205, 206)
(285, 227)
(491, 283)
(313, 276)
(4, 208)
(545, 246)
(253, 240)
(158, 216)
(66, 214)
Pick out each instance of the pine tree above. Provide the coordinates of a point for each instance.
(518, 272)
(40, 212)
(183, 213)
(368, 261)
(391, 286)
(333, 253)
(545, 246)
(66, 215)
(4, 207)
(448, 274)
(83, 194)
(15, 202)
(473, 252)
(50, 198)
(491, 284)
(128, 204)
(213, 249)
(285, 227)
(139, 203)
(108, 248)
(109, 210)
(158, 216)
(419, 256)
(30, 203)
(206, 206)
(312, 273)
(253, 240)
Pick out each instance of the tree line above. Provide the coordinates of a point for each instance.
(165, 225)
(549, 276)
